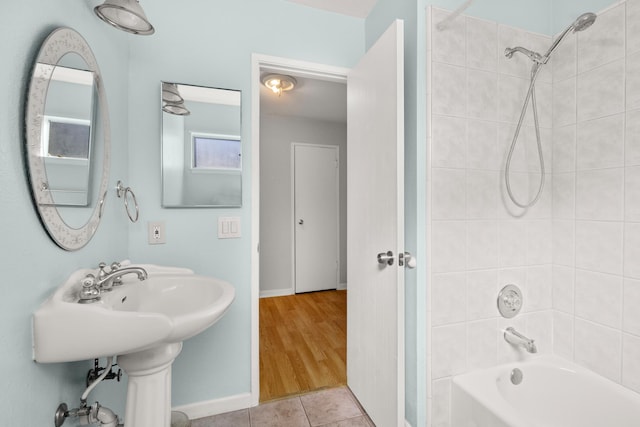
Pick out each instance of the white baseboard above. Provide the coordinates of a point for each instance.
(342, 286)
(216, 406)
(277, 293)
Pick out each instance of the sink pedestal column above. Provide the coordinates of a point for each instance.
(149, 389)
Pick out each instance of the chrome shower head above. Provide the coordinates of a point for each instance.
(584, 21)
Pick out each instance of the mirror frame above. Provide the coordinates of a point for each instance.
(60, 42)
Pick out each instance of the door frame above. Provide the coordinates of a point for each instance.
(266, 63)
(336, 148)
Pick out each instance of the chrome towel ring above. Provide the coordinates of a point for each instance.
(124, 193)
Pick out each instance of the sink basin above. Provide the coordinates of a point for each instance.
(172, 305)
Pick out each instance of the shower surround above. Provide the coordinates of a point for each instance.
(576, 253)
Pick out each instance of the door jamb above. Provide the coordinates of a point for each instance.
(266, 63)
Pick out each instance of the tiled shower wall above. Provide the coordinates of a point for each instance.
(596, 196)
(479, 242)
(576, 253)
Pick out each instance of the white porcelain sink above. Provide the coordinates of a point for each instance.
(171, 305)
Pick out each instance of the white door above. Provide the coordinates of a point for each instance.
(315, 181)
(375, 224)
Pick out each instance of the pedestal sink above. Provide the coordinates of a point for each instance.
(142, 322)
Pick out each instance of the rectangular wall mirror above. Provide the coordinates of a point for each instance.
(201, 146)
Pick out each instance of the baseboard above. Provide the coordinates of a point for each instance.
(276, 293)
(216, 406)
(342, 286)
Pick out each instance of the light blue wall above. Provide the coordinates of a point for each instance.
(32, 266)
(209, 43)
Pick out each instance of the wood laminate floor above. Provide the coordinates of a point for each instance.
(303, 343)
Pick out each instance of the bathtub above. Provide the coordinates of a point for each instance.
(553, 393)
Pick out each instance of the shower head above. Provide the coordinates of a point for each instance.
(584, 21)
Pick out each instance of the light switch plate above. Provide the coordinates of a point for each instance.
(229, 228)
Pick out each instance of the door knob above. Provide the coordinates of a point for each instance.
(406, 258)
(385, 258)
(301, 221)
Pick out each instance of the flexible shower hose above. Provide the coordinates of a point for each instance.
(531, 95)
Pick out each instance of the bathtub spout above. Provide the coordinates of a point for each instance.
(515, 338)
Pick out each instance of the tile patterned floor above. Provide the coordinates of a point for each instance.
(335, 407)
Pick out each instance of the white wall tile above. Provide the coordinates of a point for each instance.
(600, 194)
(530, 143)
(511, 93)
(632, 250)
(598, 348)
(600, 143)
(598, 298)
(482, 145)
(449, 142)
(482, 190)
(449, 90)
(564, 242)
(563, 288)
(448, 198)
(599, 246)
(632, 138)
(564, 195)
(513, 243)
(482, 102)
(631, 362)
(441, 390)
(449, 240)
(600, 92)
(482, 291)
(633, 26)
(482, 37)
(448, 295)
(564, 102)
(543, 207)
(539, 287)
(564, 149)
(633, 81)
(603, 42)
(564, 61)
(631, 313)
(482, 245)
(449, 45)
(482, 345)
(539, 242)
(632, 193)
(449, 350)
(563, 335)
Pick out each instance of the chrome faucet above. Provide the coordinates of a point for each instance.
(517, 339)
(114, 277)
(92, 287)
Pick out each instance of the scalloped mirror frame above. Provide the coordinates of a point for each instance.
(60, 42)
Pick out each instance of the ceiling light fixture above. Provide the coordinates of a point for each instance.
(126, 15)
(176, 108)
(279, 83)
(170, 93)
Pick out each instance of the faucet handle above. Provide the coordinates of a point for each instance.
(115, 265)
(89, 292)
(117, 281)
(102, 271)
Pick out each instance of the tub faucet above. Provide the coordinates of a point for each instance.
(516, 338)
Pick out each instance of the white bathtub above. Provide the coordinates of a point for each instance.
(553, 393)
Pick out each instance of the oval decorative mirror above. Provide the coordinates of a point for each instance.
(68, 139)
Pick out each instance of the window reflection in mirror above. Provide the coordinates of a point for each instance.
(201, 146)
(67, 132)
